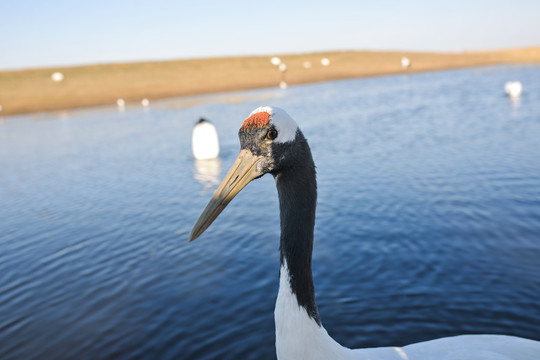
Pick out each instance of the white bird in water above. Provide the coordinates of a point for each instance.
(271, 142)
(204, 140)
(513, 89)
(405, 63)
(145, 102)
(325, 62)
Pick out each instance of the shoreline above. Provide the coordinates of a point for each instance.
(29, 91)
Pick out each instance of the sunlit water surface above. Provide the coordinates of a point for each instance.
(428, 221)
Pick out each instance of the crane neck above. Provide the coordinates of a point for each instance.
(297, 191)
(299, 332)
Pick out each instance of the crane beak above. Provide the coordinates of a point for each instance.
(241, 173)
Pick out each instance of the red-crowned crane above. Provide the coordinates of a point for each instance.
(271, 142)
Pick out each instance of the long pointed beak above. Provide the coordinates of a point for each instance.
(241, 173)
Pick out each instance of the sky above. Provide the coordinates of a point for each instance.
(72, 32)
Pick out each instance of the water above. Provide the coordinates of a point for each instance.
(428, 221)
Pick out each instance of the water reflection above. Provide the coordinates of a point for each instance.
(515, 104)
(207, 172)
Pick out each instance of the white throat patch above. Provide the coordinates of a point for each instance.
(298, 336)
(284, 124)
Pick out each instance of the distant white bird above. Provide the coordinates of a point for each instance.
(307, 65)
(325, 62)
(282, 67)
(275, 61)
(121, 104)
(204, 140)
(57, 76)
(405, 62)
(145, 102)
(283, 85)
(513, 89)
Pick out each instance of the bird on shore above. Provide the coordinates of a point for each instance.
(405, 63)
(272, 143)
(275, 61)
(121, 103)
(204, 140)
(57, 76)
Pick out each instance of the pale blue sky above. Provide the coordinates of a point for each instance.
(69, 32)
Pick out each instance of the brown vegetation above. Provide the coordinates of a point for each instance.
(33, 90)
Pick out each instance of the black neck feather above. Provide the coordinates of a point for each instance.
(297, 190)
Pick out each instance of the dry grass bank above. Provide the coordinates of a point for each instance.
(33, 90)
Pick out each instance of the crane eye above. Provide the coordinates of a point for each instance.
(271, 134)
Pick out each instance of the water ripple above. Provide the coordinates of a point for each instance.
(427, 222)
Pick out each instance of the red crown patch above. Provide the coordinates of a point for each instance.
(257, 120)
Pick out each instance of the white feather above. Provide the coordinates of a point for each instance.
(299, 337)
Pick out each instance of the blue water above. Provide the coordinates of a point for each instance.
(428, 221)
